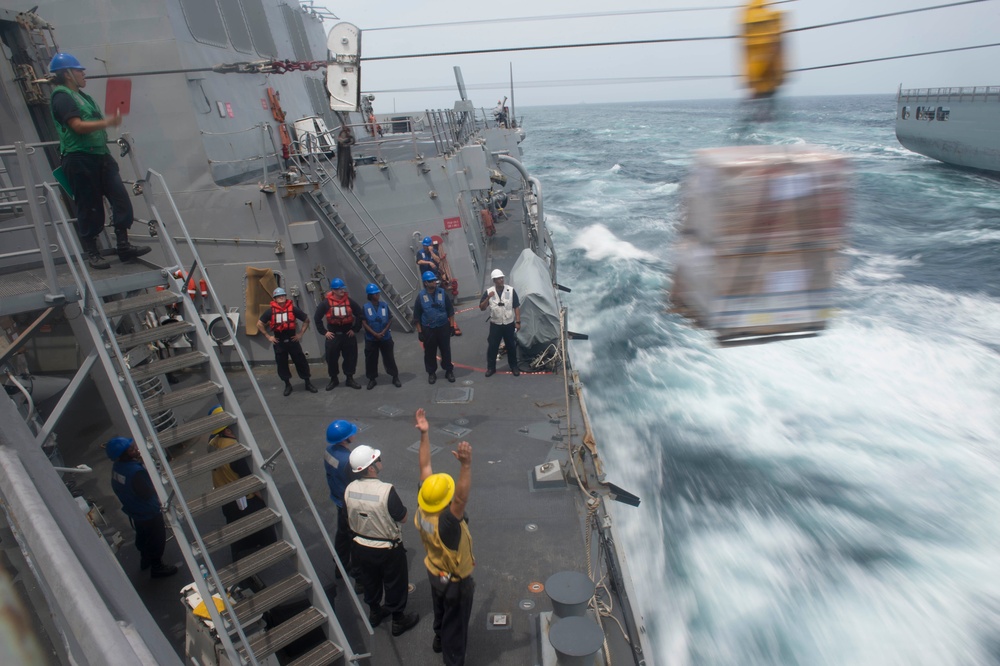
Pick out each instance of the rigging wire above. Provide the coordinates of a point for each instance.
(560, 17)
(562, 83)
(666, 40)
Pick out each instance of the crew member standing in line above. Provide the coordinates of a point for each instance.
(376, 514)
(241, 507)
(283, 317)
(340, 317)
(89, 168)
(131, 483)
(444, 529)
(378, 337)
(434, 316)
(337, 463)
(505, 322)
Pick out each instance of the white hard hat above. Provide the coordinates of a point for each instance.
(362, 457)
(497, 273)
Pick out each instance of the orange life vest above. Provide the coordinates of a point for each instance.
(339, 313)
(283, 317)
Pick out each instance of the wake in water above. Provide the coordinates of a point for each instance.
(823, 501)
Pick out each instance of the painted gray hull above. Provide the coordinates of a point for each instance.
(959, 126)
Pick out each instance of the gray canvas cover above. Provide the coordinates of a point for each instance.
(539, 305)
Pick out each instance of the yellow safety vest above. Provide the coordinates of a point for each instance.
(442, 560)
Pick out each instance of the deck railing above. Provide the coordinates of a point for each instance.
(975, 94)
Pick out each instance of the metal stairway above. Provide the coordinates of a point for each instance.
(127, 352)
(400, 304)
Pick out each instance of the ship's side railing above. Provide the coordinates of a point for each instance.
(974, 94)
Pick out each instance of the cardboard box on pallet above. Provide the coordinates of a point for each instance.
(767, 198)
(760, 244)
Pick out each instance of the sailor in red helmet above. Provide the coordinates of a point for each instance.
(284, 317)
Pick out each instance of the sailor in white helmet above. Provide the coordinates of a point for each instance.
(376, 514)
(505, 322)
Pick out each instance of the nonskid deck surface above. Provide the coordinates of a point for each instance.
(521, 536)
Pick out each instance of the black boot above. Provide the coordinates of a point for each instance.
(403, 622)
(93, 255)
(288, 388)
(310, 387)
(349, 382)
(127, 251)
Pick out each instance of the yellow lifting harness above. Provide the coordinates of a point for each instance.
(762, 33)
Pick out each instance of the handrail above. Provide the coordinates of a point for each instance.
(985, 92)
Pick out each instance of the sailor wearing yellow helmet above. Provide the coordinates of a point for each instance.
(223, 438)
(444, 529)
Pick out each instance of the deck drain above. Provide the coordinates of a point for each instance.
(531, 527)
(451, 396)
(535, 587)
(462, 422)
(526, 604)
(455, 430)
(415, 447)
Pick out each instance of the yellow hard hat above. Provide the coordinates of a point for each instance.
(436, 492)
(217, 410)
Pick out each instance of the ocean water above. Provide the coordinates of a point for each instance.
(832, 500)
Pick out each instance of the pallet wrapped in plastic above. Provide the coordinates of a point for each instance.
(759, 247)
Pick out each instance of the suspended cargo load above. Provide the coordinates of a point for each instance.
(760, 244)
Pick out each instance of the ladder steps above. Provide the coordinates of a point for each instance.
(171, 364)
(203, 463)
(323, 654)
(200, 426)
(164, 332)
(255, 563)
(226, 493)
(145, 301)
(165, 401)
(290, 630)
(271, 596)
(238, 529)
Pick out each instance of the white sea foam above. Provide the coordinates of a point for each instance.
(600, 244)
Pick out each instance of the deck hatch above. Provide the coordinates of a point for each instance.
(453, 396)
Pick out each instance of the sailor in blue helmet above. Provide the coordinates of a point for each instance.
(378, 337)
(336, 462)
(434, 316)
(338, 319)
(132, 485)
(427, 257)
(90, 170)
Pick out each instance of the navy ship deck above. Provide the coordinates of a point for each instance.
(522, 534)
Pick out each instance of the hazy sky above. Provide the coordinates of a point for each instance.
(927, 31)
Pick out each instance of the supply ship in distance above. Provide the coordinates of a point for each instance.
(229, 149)
(958, 126)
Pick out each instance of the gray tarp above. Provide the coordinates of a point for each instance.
(539, 304)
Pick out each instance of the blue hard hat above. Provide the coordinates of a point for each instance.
(340, 430)
(117, 446)
(427, 241)
(429, 276)
(372, 288)
(278, 292)
(336, 283)
(62, 61)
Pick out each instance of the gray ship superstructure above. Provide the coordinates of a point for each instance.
(229, 148)
(955, 125)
